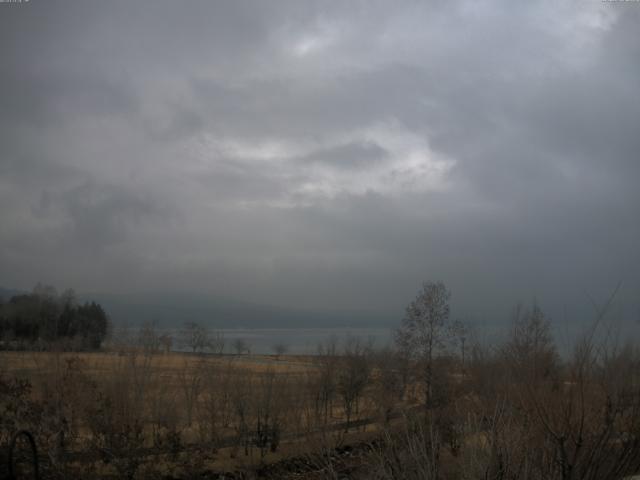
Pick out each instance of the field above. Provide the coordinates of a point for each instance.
(138, 411)
(345, 413)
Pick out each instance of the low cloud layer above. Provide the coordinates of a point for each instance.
(316, 154)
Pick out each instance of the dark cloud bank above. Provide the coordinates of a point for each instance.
(324, 156)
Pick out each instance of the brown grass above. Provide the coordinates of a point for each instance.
(166, 374)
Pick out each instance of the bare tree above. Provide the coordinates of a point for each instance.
(531, 349)
(190, 377)
(590, 428)
(217, 393)
(119, 411)
(280, 349)
(195, 336)
(460, 333)
(240, 346)
(166, 341)
(241, 389)
(388, 383)
(269, 409)
(353, 377)
(324, 386)
(217, 342)
(410, 452)
(579, 422)
(425, 331)
(148, 337)
(122, 338)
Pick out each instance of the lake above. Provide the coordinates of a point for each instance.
(297, 340)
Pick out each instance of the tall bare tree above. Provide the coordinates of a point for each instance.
(425, 331)
(353, 377)
(190, 378)
(531, 349)
(325, 385)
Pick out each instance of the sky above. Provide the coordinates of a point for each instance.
(323, 154)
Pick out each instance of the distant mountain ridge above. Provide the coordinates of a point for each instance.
(173, 309)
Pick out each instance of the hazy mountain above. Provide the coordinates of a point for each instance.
(173, 309)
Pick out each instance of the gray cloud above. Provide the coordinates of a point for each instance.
(350, 155)
(95, 214)
(313, 154)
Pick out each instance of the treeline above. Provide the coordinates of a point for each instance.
(42, 317)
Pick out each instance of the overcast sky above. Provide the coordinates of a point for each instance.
(329, 154)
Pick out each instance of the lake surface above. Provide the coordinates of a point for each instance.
(297, 340)
(303, 341)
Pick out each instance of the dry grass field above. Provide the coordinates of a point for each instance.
(348, 413)
(37, 364)
(230, 412)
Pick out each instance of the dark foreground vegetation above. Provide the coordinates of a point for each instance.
(438, 406)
